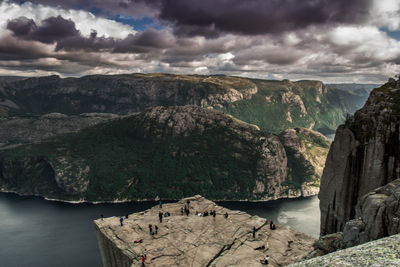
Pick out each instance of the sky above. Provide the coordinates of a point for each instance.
(333, 41)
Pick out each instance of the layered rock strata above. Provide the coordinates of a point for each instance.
(198, 241)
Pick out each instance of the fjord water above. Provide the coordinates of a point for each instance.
(36, 232)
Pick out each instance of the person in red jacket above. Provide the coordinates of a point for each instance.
(143, 260)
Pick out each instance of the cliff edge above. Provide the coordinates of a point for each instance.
(196, 240)
(363, 157)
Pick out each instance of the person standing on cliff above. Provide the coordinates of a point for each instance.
(254, 232)
(160, 203)
(160, 215)
(121, 220)
(143, 259)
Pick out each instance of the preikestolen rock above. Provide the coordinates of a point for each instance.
(198, 240)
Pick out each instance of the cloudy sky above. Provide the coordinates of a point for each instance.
(329, 40)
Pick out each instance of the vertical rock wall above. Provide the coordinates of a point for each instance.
(363, 157)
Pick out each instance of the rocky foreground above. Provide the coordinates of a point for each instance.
(198, 241)
(382, 252)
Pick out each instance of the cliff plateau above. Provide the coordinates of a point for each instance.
(196, 240)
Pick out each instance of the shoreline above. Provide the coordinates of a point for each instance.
(2, 190)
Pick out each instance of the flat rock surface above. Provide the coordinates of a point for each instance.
(200, 241)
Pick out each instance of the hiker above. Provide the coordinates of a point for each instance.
(226, 215)
(205, 213)
(188, 204)
(273, 227)
(102, 216)
(214, 213)
(160, 203)
(145, 253)
(156, 229)
(270, 224)
(186, 211)
(167, 214)
(121, 221)
(160, 215)
(143, 260)
(181, 211)
(151, 229)
(126, 216)
(254, 232)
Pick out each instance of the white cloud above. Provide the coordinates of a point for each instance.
(386, 13)
(85, 21)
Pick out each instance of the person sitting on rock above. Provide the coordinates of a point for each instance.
(205, 213)
(265, 260)
(260, 248)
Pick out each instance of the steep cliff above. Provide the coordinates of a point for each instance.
(306, 151)
(272, 105)
(166, 152)
(196, 240)
(363, 157)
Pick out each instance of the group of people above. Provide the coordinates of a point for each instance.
(155, 232)
(206, 213)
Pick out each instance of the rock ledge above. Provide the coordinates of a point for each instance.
(198, 241)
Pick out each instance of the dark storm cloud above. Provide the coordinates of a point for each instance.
(68, 38)
(49, 31)
(14, 49)
(146, 41)
(210, 18)
(259, 16)
(91, 43)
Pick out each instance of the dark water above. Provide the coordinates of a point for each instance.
(35, 232)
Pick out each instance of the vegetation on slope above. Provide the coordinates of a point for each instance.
(117, 160)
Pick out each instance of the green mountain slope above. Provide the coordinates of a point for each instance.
(166, 152)
(272, 105)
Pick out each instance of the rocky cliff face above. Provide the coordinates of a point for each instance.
(197, 241)
(122, 94)
(272, 105)
(306, 151)
(363, 157)
(15, 131)
(377, 216)
(167, 152)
